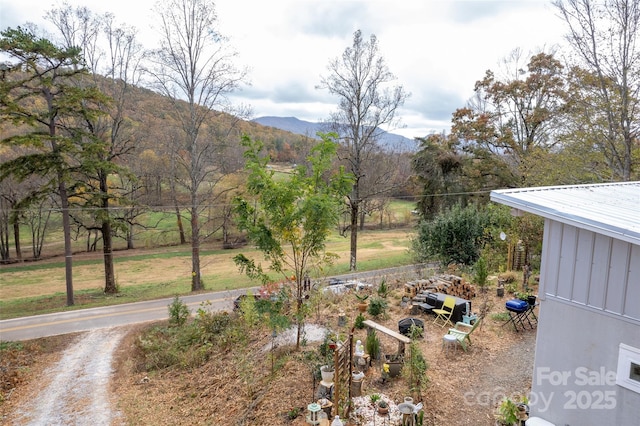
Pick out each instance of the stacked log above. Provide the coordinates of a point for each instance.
(446, 284)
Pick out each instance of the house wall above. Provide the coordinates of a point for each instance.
(589, 303)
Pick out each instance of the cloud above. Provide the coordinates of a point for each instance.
(469, 11)
(437, 49)
(328, 18)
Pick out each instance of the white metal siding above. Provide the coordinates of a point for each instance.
(599, 269)
(617, 282)
(632, 298)
(584, 259)
(591, 269)
(568, 251)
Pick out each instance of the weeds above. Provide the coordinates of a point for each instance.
(189, 344)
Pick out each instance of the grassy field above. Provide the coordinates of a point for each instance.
(144, 274)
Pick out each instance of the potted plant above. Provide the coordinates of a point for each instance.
(507, 413)
(374, 398)
(326, 352)
(362, 302)
(383, 407)
(395, 363)
(528, 297)
(510, 412)
(531, 299)
(327, 371)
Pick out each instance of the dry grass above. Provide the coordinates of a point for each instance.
(17, 283)
(237, 387)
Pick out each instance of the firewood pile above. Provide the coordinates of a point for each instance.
(446, 284)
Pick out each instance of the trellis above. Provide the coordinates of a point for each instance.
(342, 359)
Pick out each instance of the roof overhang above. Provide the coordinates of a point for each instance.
(611, 209)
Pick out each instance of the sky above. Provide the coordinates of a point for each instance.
(437, 49)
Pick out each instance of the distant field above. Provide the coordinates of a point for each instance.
(33, 288)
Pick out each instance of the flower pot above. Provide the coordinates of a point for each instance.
(327, 374)
(500, 291)
(357, 375)
(531, 300)
(383, 410)
(362, 307)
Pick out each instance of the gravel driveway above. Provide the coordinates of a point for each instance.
(78, 391)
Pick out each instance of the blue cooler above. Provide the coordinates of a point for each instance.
(517, 305)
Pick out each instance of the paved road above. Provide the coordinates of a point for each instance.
(27, 328)
(33, 327)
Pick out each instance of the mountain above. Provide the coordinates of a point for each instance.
(308, 128)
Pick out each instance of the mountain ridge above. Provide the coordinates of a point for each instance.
(309, 128)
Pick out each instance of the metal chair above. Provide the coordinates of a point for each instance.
(444, 313)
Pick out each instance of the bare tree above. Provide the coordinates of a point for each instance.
(194, 68)
(604, 36)
(366, 104)
(119, 62)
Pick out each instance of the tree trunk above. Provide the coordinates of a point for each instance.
(16, 238)
(107, 239)
(66, 229)
(107, 251)
(183, 240)
(130, 244)
(4, 237)
(196, 281)
(354, 237)
(299, 314)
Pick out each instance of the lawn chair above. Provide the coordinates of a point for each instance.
(463, 334)
(444, 313)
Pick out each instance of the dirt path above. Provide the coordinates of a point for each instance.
(75, 390)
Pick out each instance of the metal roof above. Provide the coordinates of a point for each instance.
(612, 209)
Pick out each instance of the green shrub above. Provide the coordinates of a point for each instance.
(377, 306)
(359, 322)
(372, 344)
(383, 289)
(481, 272)
(293, 413)
(454, 236)
(178, 312)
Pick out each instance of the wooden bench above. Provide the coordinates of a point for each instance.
(402, 339)
(424, 307)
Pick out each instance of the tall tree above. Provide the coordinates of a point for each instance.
(604, 37)
(366, 103)
(38, 90)
(120, 64)
(194, 64)
(292, 218)
(438, 169)
(514, 116)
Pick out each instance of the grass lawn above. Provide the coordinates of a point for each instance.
(38, 288)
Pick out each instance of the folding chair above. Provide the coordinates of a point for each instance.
(462, 332)
(444, 314)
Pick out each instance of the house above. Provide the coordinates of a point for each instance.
(587, 359)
